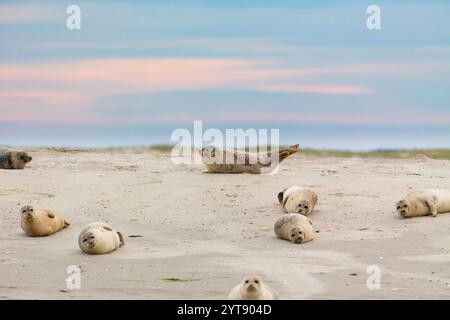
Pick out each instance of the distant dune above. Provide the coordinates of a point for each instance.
(381, 153)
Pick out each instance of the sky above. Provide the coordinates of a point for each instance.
(138, 70)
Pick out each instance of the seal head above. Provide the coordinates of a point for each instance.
(27, 212)
(403, 208)
(252, 286)
(296, 235)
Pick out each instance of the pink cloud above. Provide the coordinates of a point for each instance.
(117, 76)
(25, 13)
(48, 97)
(70, 88)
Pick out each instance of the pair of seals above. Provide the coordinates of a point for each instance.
(100, 238)
(298, 202)
(232, 161)
(297, 199)
(96, 238)
(252, 288)
(41, 223)
(425, 202)
(13, 159)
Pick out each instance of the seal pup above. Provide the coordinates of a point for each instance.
(40, 222)
(252, 288)
(13, 159)
(233, 161)
(294, 227)
(297, 199)
(425, 202)
(100, 238)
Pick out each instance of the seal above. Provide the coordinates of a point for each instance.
(294, 227)
(252, 288)
(297, 199)
(41, 223)
(233, 161)
(100, 238)
(425, 202)
(13, 159)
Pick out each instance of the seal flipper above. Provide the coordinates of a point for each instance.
(281, 195)
(66, 224)
(122, 241)
(433, 208)
(286, 152)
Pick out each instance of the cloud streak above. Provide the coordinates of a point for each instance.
(77, 85)
(70, 92)
(26, 13)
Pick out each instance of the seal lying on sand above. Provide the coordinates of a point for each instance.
(252, 288)
(41, 223)
(13, 159)
(100, 238)
(425, 202)
(297, 199)
(294, 227)
(232, 161)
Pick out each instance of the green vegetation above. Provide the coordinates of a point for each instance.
(179, 280)
(386, 154)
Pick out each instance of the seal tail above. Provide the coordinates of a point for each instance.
(286, 152)
(122, 240)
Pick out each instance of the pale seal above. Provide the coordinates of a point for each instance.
(425, 202)
(13, 159)
(294, 227)
(252, 288)
(217, 160)
(99, 238)
(41, 223)
(297, 199)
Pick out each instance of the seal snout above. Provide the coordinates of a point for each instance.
(298, 240)
(251, 288)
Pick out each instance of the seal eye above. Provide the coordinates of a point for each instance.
(398, 208)
(256, 281)
(306, 207)
(246, 281)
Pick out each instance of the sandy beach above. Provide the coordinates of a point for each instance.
(193, 235)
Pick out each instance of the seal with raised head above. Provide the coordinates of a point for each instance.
(425, 202)
(13, 159)
(297, 199)
(294, 227)
(217, 160)
(41, 222)
(100, 238)
(252, 288)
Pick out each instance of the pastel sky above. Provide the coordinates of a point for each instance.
(138, 70)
